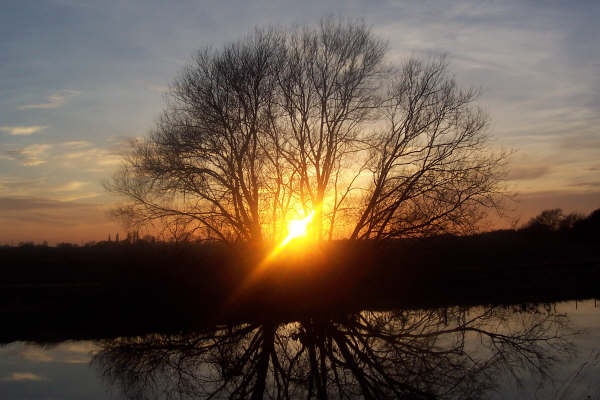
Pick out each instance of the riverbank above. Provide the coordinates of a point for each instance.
(111, 288)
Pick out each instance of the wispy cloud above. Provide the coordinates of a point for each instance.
(65, 353)
(97, 156)
(17, 186)
(23, 377)
(26, 192)
(55, 101)
(70, 186)
(586, 184)
(23, 130)
(28, 204)
(30, 155)
(77, 144)
(527, 172)
(78, 196)
(37, 354)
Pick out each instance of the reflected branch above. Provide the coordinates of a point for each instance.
(446, 353)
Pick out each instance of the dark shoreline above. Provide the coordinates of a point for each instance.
(109, 289)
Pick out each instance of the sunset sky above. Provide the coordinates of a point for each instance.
(78, 79)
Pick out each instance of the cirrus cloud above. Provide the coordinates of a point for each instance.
(30, 155)
(70, 186)
(23, 377)
(22, 130)
(54, 101)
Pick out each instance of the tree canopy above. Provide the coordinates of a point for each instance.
(285, 124)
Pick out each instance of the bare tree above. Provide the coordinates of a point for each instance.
(431, 169)
(208, 158)
(283, 124)
(328, 90)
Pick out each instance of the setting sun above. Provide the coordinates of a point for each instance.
(297, 228)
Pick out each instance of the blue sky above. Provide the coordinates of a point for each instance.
(78, 79)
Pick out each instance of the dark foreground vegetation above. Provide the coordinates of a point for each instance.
(115, 288)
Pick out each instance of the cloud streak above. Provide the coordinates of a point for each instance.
(71, 186)
(98, 156)
(23, 130)
(65, 353)
(24, 377)
(527, 172)
(77, 144)
(54, 101)
(30, 156)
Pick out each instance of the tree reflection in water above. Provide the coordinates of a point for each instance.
(444, 353)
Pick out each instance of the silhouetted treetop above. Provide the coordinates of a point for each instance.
(285, 124)
(553, 220)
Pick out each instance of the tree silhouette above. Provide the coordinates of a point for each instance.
(285, 124)
(553, 220)
(404, 354)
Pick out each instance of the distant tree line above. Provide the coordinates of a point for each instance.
(537, 261)
(554, 220)
(548, 221)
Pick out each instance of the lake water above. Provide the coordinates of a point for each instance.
(518, 352)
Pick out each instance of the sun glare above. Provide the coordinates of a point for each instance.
(297, 228)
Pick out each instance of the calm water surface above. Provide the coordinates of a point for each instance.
(531, 352)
